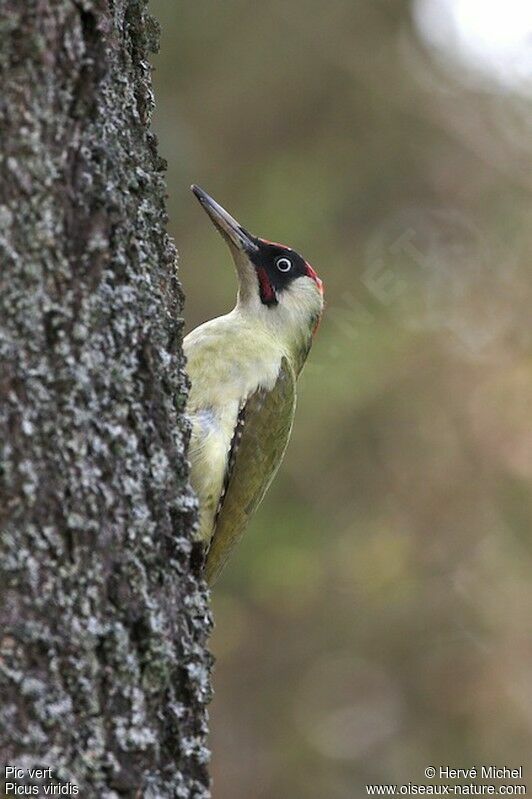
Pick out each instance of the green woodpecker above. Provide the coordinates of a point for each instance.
(243, 369)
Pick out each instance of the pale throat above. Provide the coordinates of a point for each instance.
(290, 324)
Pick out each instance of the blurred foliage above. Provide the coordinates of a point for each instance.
(376, 618)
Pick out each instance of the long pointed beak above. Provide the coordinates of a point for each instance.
(230, 229)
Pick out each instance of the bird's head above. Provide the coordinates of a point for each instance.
(275, 282)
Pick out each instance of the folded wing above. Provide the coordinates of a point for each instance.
(259, 442)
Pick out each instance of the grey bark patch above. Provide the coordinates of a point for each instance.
(104, 671)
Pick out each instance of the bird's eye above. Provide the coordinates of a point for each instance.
(283, 264)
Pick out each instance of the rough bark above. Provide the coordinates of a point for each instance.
(103, 662)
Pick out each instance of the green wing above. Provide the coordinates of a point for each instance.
(260, 439)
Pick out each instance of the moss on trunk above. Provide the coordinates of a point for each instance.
(103, 663)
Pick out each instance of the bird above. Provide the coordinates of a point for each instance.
(242, 370)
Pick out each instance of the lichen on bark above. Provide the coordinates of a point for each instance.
(104, 671)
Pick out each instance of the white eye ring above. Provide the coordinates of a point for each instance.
(283, 264)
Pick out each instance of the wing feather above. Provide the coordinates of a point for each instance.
(231, 459)
(259, 442)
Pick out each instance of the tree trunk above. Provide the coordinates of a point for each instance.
(103, 662)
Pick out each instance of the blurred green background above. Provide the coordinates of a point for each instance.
(377, 617)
